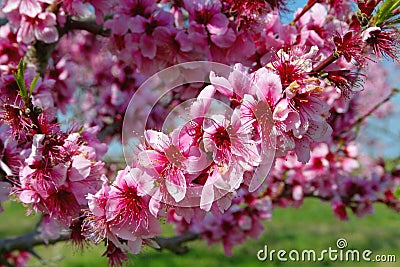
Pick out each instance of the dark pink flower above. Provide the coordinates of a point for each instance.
(350, 46)
(367, 6)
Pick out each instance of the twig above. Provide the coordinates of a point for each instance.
(40, 52)
(307, 7)
(366, 115)
(28, 241)
(329, 60)
(89, 26)
(175, 244)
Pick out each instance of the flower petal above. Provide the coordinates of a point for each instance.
(176, 185)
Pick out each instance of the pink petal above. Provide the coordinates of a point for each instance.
(48, 35)
(157, 140)
(268, 85)
(200, 107)
(151, 159)
(117, 25)
(148, 46)
(207, 197)
(30, 8)
(176, 185)
(47, 19)
(184, 42)
(154, 203)
(221, 84)
(49, 229)
(218, 24)
(137, 24)
(59, 174)
(25, 33)
(11, 5)
(303, 150)
(135, 246)
(224, 41)
(80, 168)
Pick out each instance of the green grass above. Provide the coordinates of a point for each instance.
(312, 226)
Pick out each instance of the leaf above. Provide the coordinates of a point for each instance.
(20, 80)
(33, 84)
(385, 11)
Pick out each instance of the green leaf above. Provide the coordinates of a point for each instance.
(385, 11)
(33, 84)
(19, 78)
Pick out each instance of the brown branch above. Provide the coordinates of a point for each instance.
(40, 52)
(307, 7)
(28, 241)
(89, 26)
(329, 60)
(175, 244)
(366, 115)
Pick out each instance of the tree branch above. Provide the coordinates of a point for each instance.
(369, 113)
(40, 52)
(175, 244)
(89, 26)
(28, 241)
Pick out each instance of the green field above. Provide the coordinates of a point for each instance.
(312, 226)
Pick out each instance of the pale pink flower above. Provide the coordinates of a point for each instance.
(127, 210)
(30, 8)
(171, 160)
(42, 27)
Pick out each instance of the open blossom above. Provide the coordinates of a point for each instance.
(58, 174)
(120, 212)
(229, 141)
(29, 8)
(207, 20)
(42, 27)
(127, 209)
(171, 159)
(384, 43)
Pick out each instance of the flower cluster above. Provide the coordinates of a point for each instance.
(120, 212)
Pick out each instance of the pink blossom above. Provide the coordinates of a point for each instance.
(167, 159)
(229, 141)
(42, 27)
(30, 8)
(127, 209)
